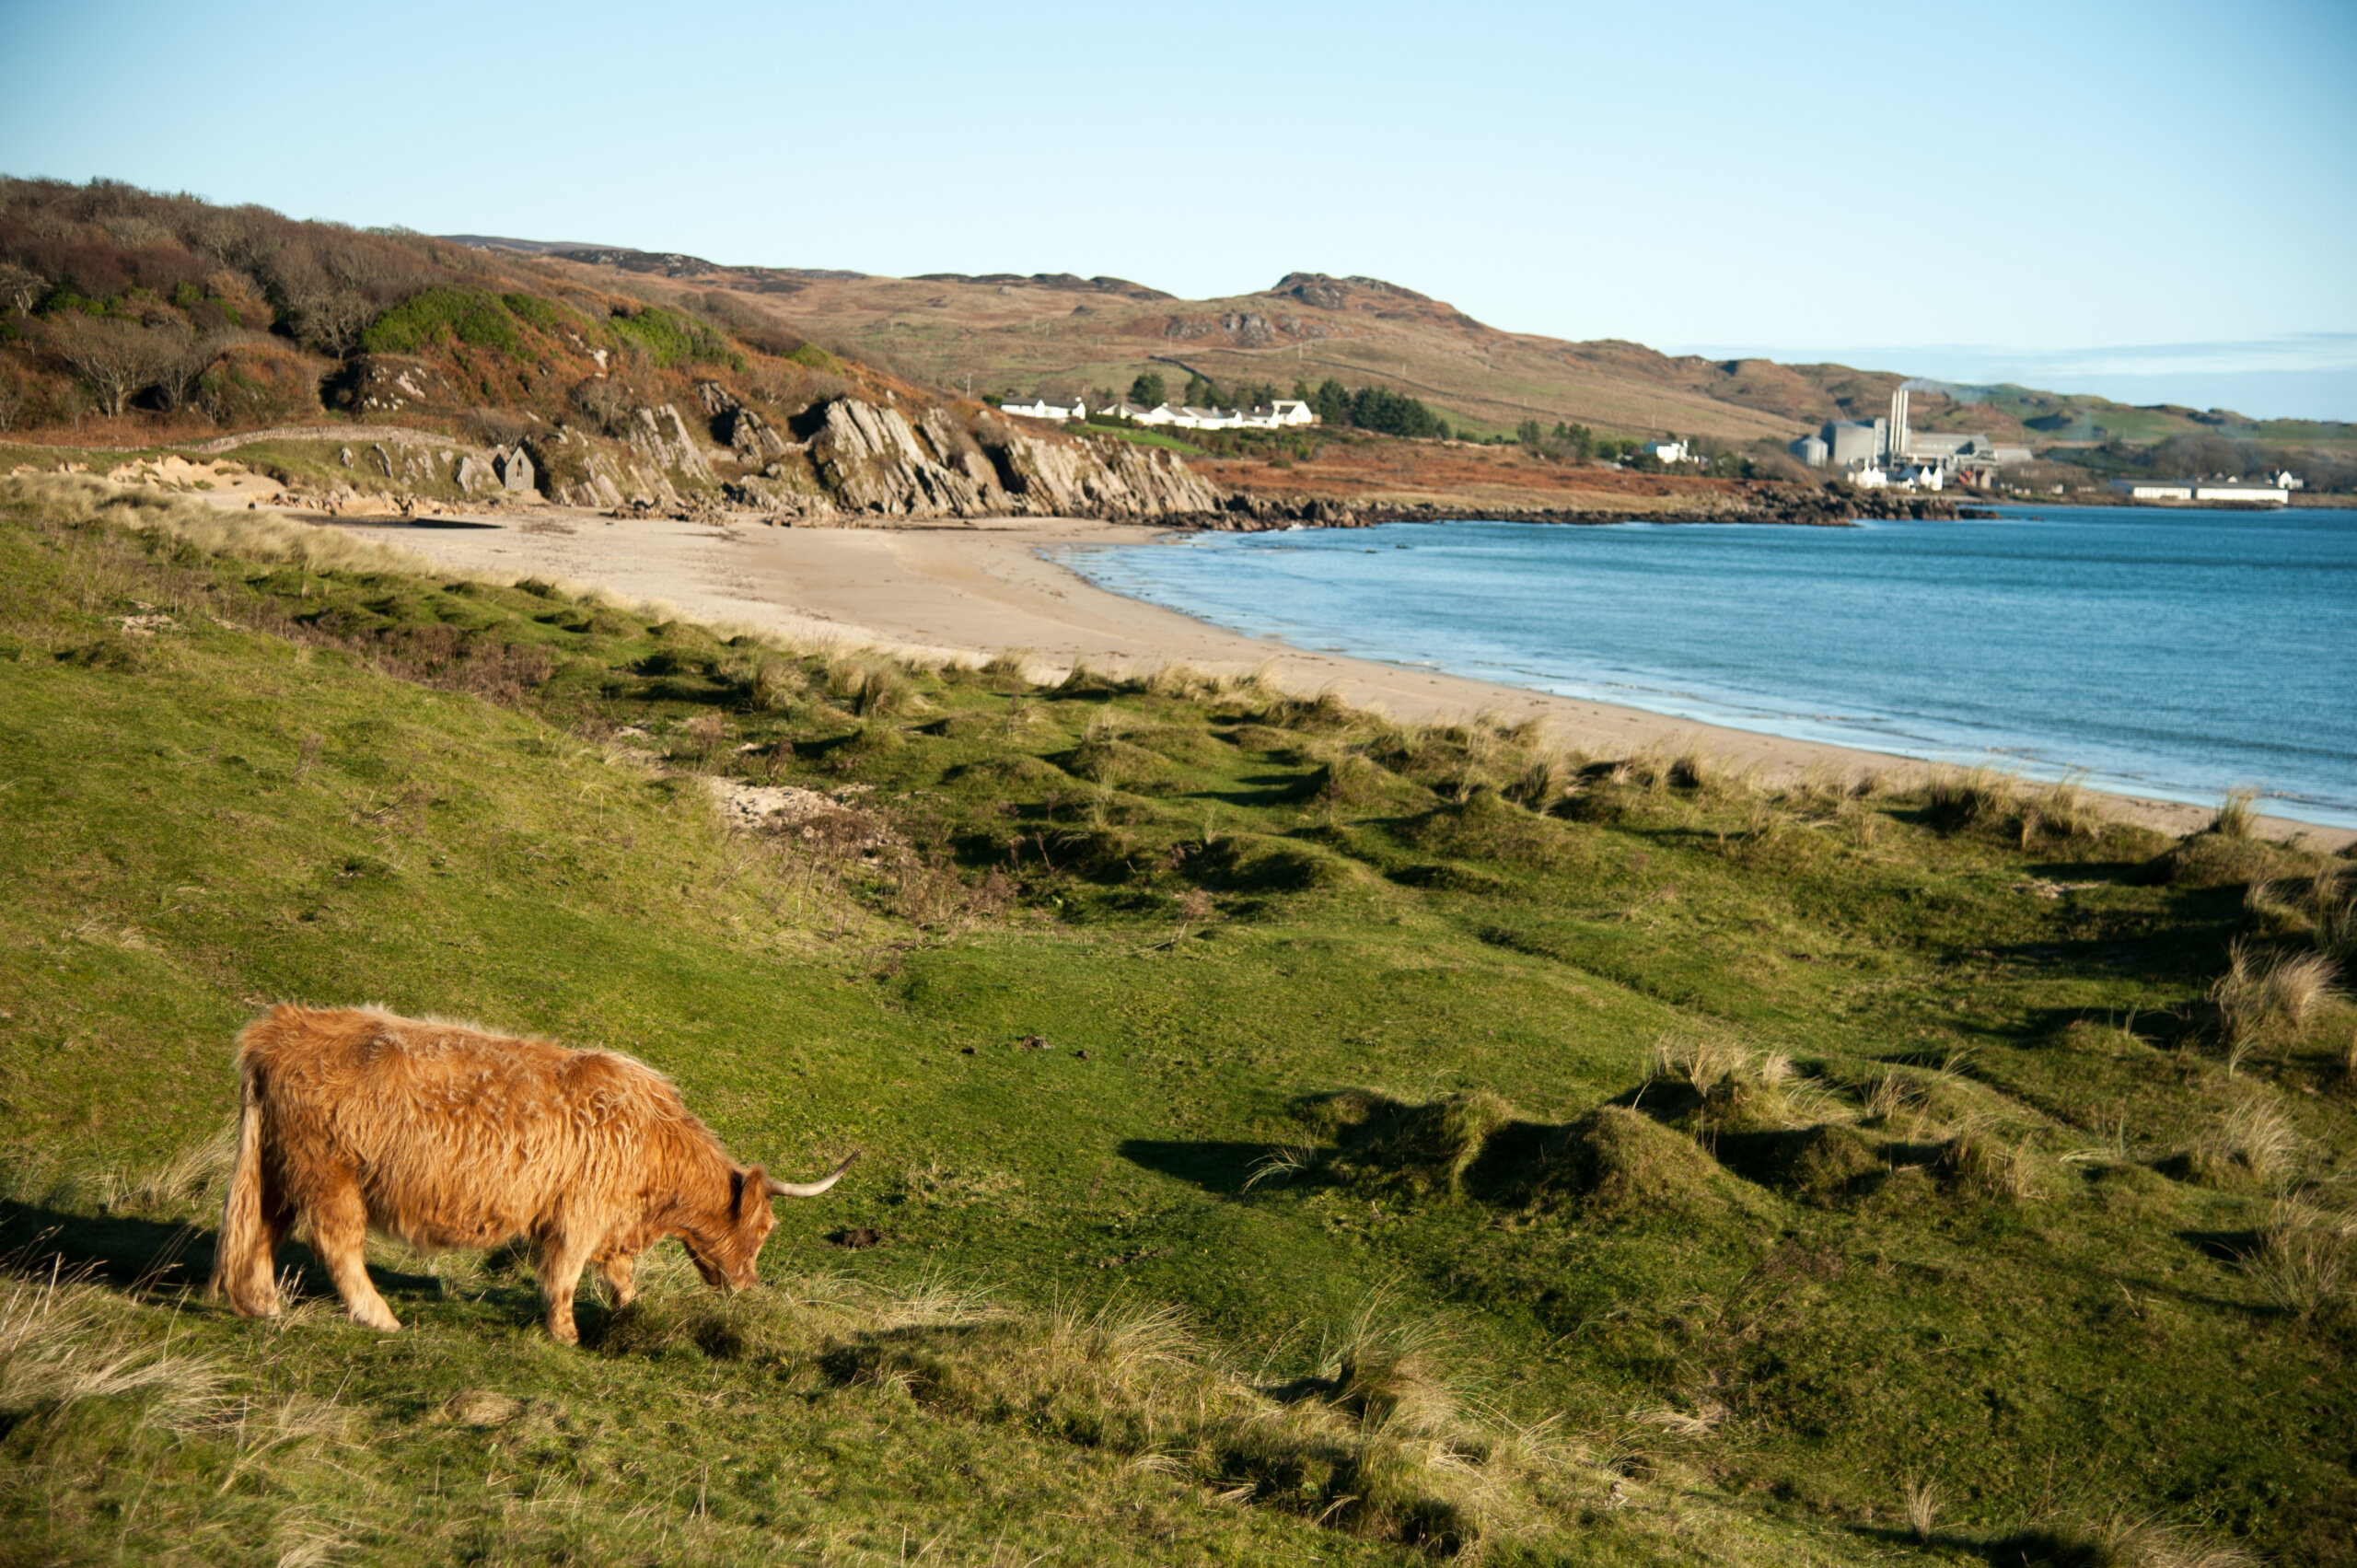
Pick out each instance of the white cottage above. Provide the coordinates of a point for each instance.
(1279, 415)
(1041, 408)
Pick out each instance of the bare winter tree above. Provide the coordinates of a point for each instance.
(326, 313)
(330, 321)
(177, 382)
(12, 400)
(20, 287)
(116, 359)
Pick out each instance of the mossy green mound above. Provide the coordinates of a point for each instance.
(1621, 1162)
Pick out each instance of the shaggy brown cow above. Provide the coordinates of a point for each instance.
(444, 1136)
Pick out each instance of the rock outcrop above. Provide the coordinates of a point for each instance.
(384, 384)
(751, 440)
(1792, 505)
(865, 460)
(575, 470)
(870, 459)
(661, 439)
(1110, 479)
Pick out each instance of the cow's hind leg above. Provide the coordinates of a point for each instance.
(340, 1237)
(562, 1255)
(619, 1270)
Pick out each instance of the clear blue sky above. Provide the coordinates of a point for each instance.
(2030, 179)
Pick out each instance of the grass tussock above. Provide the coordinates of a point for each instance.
(1956, 800)
(80, 501)
(2116, 1540)
(1485, 825)
(1106, 759)
(2235, 817)
(2302, 1263)
(1615, 1161)
(869, 687)
(1376, 1440)
(2268, 998)
(2251, 1143)
(1979, 1160)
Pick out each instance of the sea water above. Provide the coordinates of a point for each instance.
(2178, 654)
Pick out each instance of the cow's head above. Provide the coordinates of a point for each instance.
(726, 1258)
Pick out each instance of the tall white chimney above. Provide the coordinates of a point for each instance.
(1898, 440)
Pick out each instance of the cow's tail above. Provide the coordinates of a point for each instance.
(243, 1258)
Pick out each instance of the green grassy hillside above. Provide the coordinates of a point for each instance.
(1288, 1136)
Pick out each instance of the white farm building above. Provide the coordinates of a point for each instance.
(1041, 408)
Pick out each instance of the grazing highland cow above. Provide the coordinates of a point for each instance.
(444, 1136)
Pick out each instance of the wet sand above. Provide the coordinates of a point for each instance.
(967, 590)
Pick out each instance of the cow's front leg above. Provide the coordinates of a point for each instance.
(620, 1272)
(561, 1258)
(340, 1237)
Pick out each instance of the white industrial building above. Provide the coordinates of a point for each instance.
(2220, 492)
(2243, 492)
(1880, 452)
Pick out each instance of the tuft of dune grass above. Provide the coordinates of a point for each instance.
(65, 1341)
(2267, 997)
(2252, 1142)
(254, 536)
(1379, 1440)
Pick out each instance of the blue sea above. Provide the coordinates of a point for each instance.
(2165, 653)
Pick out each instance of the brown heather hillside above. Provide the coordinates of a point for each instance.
(384, 368)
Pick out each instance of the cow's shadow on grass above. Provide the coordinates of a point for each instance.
(159, 1257)
(115, 1250)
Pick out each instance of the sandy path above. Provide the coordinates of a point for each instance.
(965, 589)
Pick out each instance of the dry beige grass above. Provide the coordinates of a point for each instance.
(2124, 1541)
(1919, 1501)
(259, 536)
(2235, 818)
(2252, 1141)
(65, 1341)
(2301, 1262)
(1384, 1439)
(2263, 997)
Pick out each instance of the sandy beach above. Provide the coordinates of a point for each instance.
(962, 590)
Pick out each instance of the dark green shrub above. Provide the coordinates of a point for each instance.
(471, 316)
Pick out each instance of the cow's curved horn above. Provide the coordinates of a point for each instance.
(777, 1188)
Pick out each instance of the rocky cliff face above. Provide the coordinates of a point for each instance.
(657, 462)
(864, 459)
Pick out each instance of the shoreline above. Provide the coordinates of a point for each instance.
(968, 590)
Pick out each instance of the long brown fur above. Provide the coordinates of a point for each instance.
(446, 1135)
